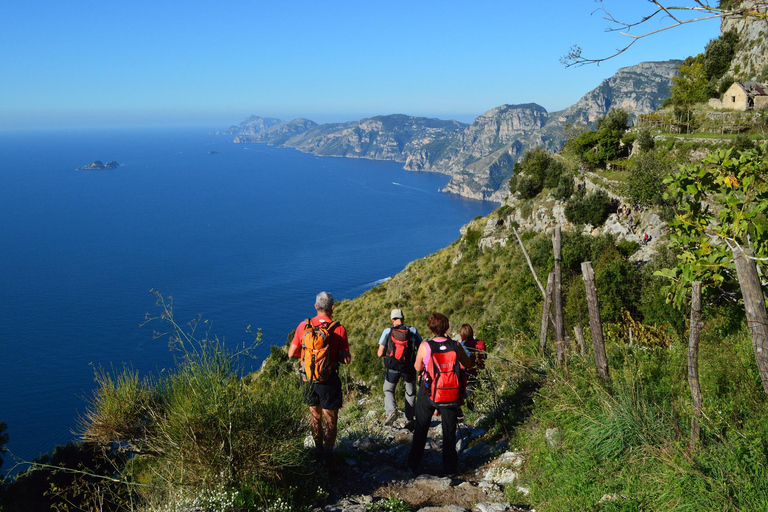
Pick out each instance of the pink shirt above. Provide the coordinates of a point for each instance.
(428, 351)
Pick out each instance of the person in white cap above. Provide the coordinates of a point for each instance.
(398, 345)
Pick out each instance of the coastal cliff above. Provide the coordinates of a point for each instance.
(479, 157)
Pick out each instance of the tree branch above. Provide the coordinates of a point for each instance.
(756, 10)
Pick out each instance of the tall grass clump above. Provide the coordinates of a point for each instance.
(625, 445)
(202, 430)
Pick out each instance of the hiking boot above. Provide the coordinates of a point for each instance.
(390, 419)
(410, 425)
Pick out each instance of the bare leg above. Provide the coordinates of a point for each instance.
(315, 412)
(331, 417)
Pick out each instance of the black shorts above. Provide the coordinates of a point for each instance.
(327, 395)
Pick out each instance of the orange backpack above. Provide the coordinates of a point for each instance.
(316, 365)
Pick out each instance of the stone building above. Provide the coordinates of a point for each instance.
(745, 96)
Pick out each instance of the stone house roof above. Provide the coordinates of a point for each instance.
(754, 88)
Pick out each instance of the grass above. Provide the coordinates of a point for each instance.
(202, 431)
(629, 440)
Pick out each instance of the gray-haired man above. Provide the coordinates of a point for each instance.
(398, 345)
(324, 399)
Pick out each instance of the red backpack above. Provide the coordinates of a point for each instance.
(476, 349)
(442, 376)
(400, 351)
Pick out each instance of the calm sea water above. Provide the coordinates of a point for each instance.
(247, 236)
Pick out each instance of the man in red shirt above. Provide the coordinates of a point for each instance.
(324, 399)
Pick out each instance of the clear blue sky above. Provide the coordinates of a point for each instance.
(103, 63)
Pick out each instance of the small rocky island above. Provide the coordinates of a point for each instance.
(98, 165)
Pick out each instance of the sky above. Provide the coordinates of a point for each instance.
(96, 63)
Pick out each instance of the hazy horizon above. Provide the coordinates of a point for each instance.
(79, 64)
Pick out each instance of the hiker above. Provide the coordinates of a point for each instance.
(476, 351)
(321, 344)
(398, 345)
(437, 360)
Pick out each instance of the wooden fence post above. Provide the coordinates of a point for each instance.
(579, 332)
(754, 303)
(559, 328)
(598, 345)
(546, 294)
(693, 362)
(546, 313)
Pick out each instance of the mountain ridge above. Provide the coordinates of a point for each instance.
(479, 157)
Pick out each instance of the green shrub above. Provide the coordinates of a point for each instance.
(565, 187)
(742, 142)
(645, 140)
(598, 147)
(201, 425)
(534, 172)
(592, 208)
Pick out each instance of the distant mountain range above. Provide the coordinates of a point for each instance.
(480, 156)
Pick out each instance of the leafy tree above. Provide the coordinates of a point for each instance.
(719, 54)
(646, 173)
(690, 84)
(721, 203)
(617, 119)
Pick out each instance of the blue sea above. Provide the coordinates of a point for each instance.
(245, 236)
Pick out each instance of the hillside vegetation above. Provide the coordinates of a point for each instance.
(205, 436)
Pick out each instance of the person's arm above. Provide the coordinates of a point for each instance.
(418, 336)
(419, 364)
(464, 358)
(294, 350)
(344, 354)
(383, 342)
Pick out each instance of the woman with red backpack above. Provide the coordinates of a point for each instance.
(438, 361)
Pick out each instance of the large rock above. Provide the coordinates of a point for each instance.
(751, 58)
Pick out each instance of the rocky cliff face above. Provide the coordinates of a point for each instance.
(479, 157)
(498, 138)
(751, 59)
(638, 89)
(393, 137)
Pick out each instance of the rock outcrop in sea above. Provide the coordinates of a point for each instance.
(98, 165)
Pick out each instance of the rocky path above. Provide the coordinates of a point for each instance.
(372, 471)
